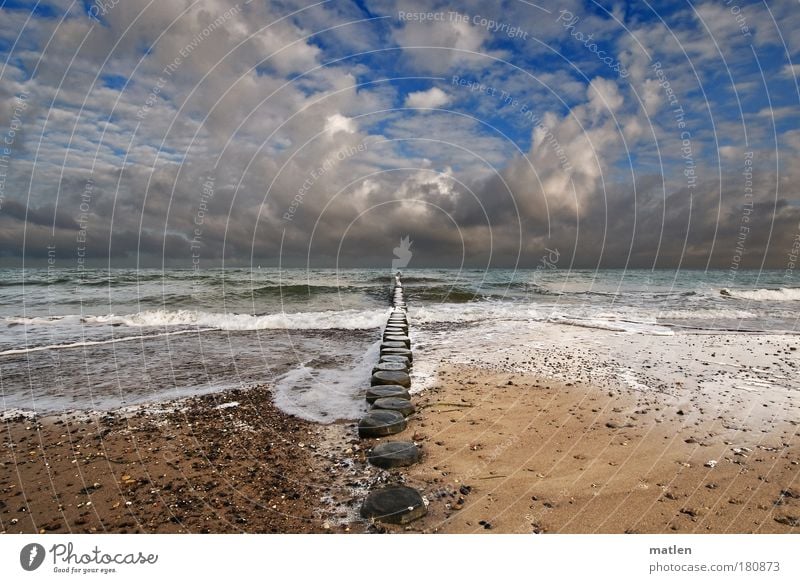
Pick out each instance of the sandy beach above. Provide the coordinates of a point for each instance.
(503, 451)
(507, 453)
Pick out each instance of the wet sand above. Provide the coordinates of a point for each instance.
(508, 452)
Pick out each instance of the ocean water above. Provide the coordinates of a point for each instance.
(105, 339)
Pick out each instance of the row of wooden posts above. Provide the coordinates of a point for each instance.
(391, 409)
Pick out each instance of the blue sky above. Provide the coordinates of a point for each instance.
(560, 132)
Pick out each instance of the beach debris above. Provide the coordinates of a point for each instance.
(711, 463)
(788, 520)
(446, 404)
(90, 489)
(394, 504)
(393, 454)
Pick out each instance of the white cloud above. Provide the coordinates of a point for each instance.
(433, 97)
(438, 46)
(338, 123)
(604, 95)
(791, 71)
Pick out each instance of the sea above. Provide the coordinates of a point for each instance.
(97, 340)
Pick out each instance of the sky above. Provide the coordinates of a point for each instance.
(214, 133)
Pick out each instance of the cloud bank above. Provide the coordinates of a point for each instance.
(221, 133)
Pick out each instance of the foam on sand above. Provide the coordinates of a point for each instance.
(326, 395)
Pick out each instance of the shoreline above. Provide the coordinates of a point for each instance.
(503, 451)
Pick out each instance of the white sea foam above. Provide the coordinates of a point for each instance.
(42, 320)
(328, 394)
(68, 345)
(615, 325)
(441, 313)
(615, 322)
(344, 319)
(707, 314)
(781, 294)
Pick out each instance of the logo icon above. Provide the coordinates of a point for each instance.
(31, 556)
(402, 253)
